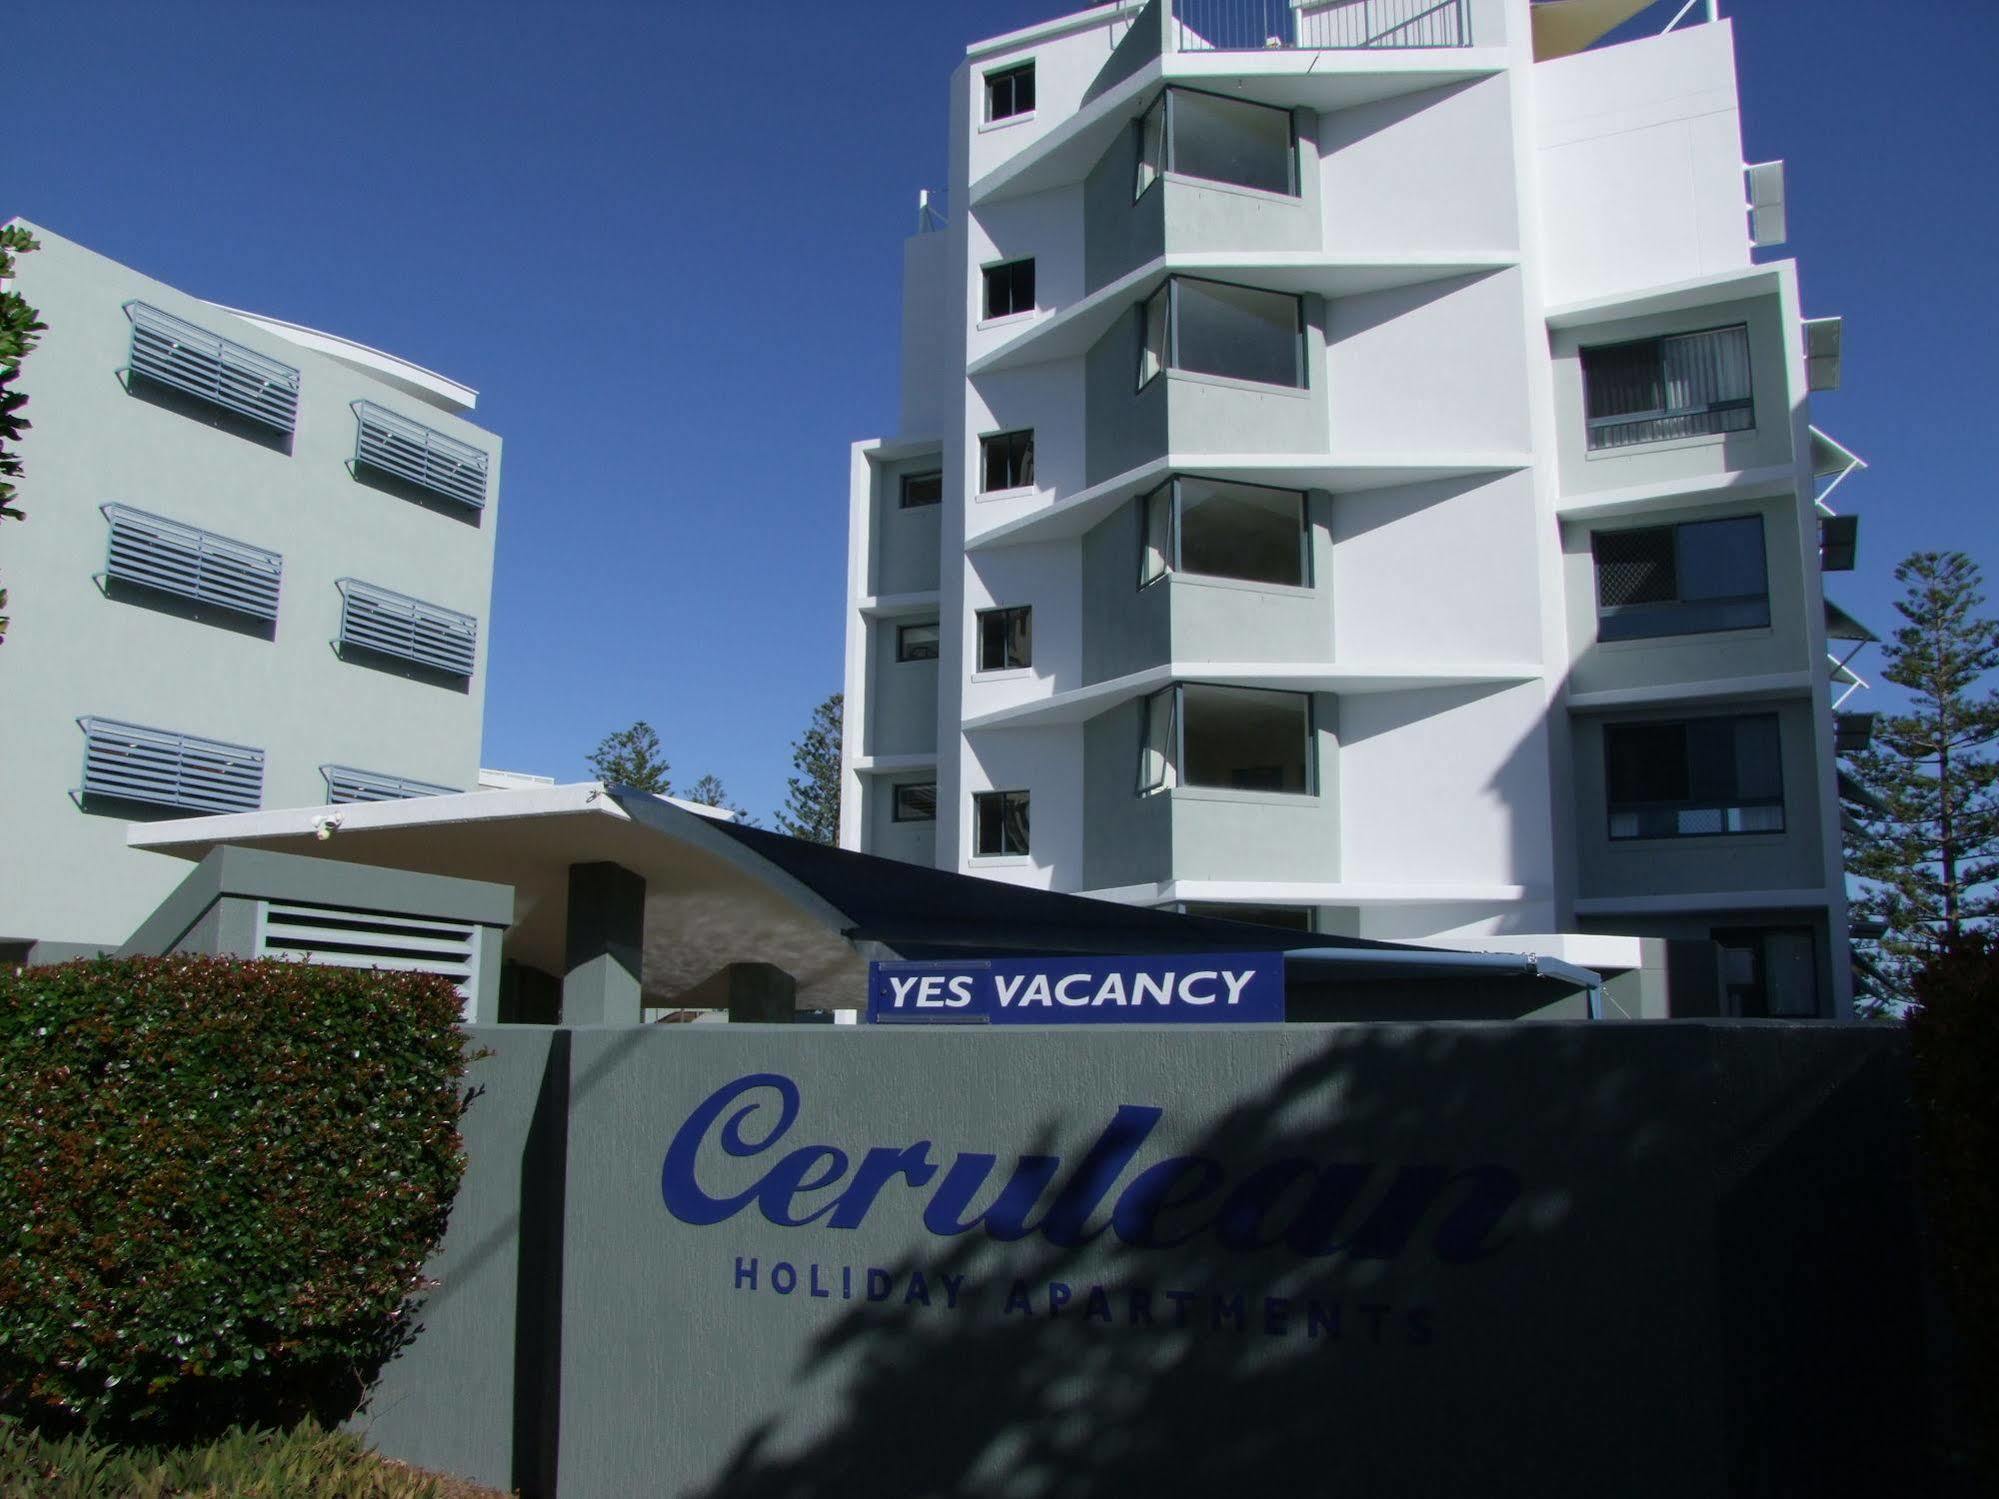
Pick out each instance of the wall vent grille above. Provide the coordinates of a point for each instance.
(163, 554)
(346, 784)
(371, 939)
(424, 456)
(394, 624)
(190, 358)
(129, 762)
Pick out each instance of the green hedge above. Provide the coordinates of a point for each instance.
(219, 1181)
(1954, 1038)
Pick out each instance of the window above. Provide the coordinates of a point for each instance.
(1658, 389)
(1213, 328)
(1006, 638)
(1009, 288)
(916, 801)
(128, 762)
(394, 624)
(346, 784)
(1010, 92)
(1217, 139)
(1237, 738)
(1006, 461)
(1769, 972)
(1208, 528)
(921, 489)
(1681, 580)
(154, 552)
(1695, 779)
(916, 642)
(1001, 823)
(425, 457)
(212, 368)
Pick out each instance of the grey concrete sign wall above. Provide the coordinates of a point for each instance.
(1442, 1259)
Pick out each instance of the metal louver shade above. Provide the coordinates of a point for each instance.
(394, 624)
(129, 762)
(426, 457)
(346, 784)
(190, 358)
(370, 939)
(155, 552)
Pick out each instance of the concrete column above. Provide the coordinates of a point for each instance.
(760, 993)
(602, 946)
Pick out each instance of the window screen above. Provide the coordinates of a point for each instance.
(1007, 460)
(1681, 580)
(1006, 638)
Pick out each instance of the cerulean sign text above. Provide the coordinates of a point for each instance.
(1180, 988)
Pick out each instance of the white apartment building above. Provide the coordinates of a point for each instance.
(254, 573)
(1354, 473)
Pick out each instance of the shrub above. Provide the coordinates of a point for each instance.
(1954, 1035)
(219, 1181)
(305, 1461)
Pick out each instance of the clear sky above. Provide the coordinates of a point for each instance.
(663, 240)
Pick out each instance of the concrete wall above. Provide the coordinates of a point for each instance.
(1125, 628)
(1780, 647)
(1130, 838)
(914, 842)
(76, 649)
(1431, 171)
(1641, 164)
(1594, 1220)
(905, 541)
(903, 720)
(1790, 860)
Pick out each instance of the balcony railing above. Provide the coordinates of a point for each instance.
(1252, 25)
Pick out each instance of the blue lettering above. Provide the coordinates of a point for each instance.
(1006, 1219)
(744, 1273)
(1136, 1216)
(1059, 1296)
(878, 1290)
(1099, 1305)
(817, 1289)
(1140, 1313)
(1276, 1309)
(951, 1285)
(1096, 1175)
(878, 1168)
(1017, 1300)
(783, 1278)
(683, 1195)
(919, 1290)
(1320, 1319)
(1229, 1308)
(793, 1175)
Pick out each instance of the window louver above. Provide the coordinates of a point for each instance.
(155, 552)
(371, 939)
(420, 454)
(346, 784)
(190, 358)
(129, 762)
(393, 624)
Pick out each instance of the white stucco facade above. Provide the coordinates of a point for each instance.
(1453, 713)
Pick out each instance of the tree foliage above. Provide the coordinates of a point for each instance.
(20, 330)
(220, 1181)
(1923, 838)
(631, 757)
(710, 792)
(812, 808)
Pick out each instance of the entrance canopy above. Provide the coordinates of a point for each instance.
(717, 893)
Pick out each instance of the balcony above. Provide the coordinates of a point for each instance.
(1319, 25)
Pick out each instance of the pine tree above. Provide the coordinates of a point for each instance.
(1926, 844)
(709, 792)
(812, 810)
(631, 757)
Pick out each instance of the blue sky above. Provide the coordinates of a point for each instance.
(663, 241)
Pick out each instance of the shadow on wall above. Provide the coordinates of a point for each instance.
(1387, 1307)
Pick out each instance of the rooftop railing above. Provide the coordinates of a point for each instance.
(1252, 25)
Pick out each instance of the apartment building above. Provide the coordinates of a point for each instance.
(254, 573)
(1354, 472)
